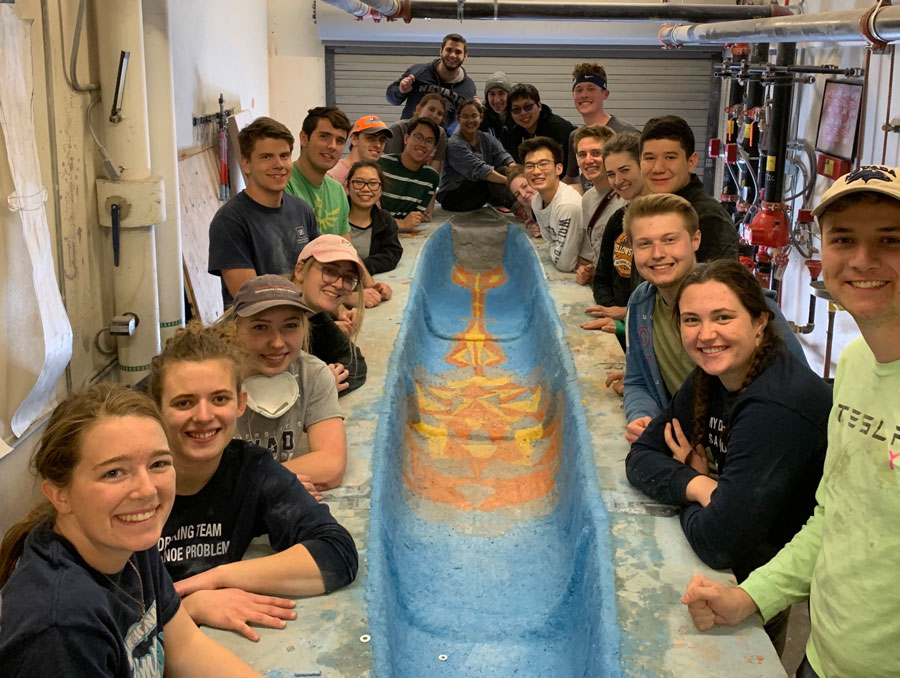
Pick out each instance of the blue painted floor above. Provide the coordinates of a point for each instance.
(489, 545)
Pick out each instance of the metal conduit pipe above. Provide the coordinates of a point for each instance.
(841, 25)
(782, 90)
(354, 7)
(562, 11)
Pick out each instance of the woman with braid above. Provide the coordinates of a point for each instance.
(741, 445)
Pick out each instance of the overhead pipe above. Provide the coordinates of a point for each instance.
(880, 23)
(354, 7)
(560, 11)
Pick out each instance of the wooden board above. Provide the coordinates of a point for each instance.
(236, 123)
(198, 179)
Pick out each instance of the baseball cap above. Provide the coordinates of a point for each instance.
(267, 291)
(370, 124)
(329, 247)
(871, 178)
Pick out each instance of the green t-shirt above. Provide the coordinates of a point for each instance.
(845, 557)
(406, 191)
(328, 201)
(674, 362)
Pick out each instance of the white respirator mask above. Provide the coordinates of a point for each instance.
(271, 396)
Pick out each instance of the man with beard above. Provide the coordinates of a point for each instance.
(444, 76)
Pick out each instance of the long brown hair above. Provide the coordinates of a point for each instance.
(59, 452)
(746, 288)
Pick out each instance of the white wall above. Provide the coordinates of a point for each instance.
(807, 104)
(296, 62)
(217, 46)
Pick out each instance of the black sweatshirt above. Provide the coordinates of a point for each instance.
(385, 249)
(609, 286)
(330, 345)
(769, 466)
(249, 495)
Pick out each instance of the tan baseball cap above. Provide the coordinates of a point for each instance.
(871, 178)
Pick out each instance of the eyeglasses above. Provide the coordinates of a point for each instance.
(518, 110)
(473, 116)
(371, 184)
(540, 164)
(419, 139)
(331, 275)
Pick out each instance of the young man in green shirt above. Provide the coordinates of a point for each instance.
(322, 139)
(844, 560)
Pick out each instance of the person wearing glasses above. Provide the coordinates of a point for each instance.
(475, 172)
(534, 119)
(433, 107)
(368, 137)
(373, 231)
(556, 206)
(409, 180)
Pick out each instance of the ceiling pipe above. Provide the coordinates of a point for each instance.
(559, 11)
(875, 24)
(354, 7)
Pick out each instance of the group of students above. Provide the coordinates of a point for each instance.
(242, 430)
(146, 490)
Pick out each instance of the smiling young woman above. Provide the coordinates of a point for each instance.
(475, 171)
(741, 445)
(230, 491)
(82, 571)
(292, 403)
(373, 231)
(330, 275)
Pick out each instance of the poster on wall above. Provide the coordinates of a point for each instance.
(839, 119)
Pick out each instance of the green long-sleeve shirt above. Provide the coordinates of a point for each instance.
(845, 559)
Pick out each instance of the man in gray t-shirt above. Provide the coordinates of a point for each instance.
(261, 229)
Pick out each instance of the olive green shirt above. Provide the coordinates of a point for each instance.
(674, 362)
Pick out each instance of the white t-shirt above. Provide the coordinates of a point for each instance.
(562, 227)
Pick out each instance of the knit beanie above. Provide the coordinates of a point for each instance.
(495, 81)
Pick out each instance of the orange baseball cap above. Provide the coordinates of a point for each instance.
(370, 124)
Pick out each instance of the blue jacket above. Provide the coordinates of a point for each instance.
(428, 81)
(646, 394)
